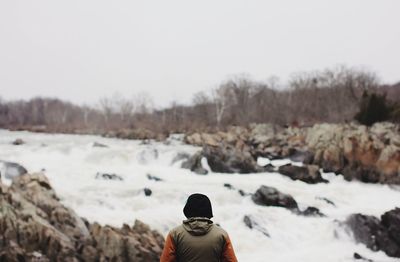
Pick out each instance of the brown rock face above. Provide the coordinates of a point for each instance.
(367, 154)
(35, 226)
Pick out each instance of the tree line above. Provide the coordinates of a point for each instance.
(331, 95)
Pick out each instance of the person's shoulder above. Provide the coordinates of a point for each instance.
(176, 230)
(218, 229)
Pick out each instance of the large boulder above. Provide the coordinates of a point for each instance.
(228, 159)
(270, 196)
(309, 174)
(35, 225)
(378, 234)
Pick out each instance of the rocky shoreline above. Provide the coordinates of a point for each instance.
(357, 152)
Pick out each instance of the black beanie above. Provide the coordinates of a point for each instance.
(198, 205)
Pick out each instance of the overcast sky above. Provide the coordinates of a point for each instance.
(81, 50)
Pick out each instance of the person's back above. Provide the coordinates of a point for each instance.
(198, 239)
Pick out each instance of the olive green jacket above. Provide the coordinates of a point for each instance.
(198, 239)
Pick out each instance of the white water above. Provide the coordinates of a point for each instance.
(71, 163)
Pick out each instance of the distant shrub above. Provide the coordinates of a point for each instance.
(395, 113)
(373, 108)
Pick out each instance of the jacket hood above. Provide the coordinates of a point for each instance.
(198, 226)
(198, 205)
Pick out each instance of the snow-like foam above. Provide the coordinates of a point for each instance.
(71, 163)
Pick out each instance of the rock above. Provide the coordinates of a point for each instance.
(330, 202)
(33, 219)
(309, 174)
(240, 191)
(229, 186)
(15, 254)
(251, 223)
(358, 256)
(366, 175)
(18, 142)
(35, 226)
(269, 168)
(270, 196)
(155, 178)
(263, 133)
(106, 176)
(311, 211)
(243, 193)
(127, 244)
(11, 170)
(194, 164)
(96, 144)
(203, 139)
(377, 234)
(147, 191)
(391, 221)
(228, 159)
(193, 139)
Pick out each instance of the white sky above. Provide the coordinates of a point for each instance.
(81, 50)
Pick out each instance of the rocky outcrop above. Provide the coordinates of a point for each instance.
(383, 234)
(358, 152)
(368, 154)
(309, 173)
(137, 243)
(35, 225)
(265, 140)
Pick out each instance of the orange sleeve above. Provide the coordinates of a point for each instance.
(228, 255)
(169, 251)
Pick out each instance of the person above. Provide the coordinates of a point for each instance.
(198, 239)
